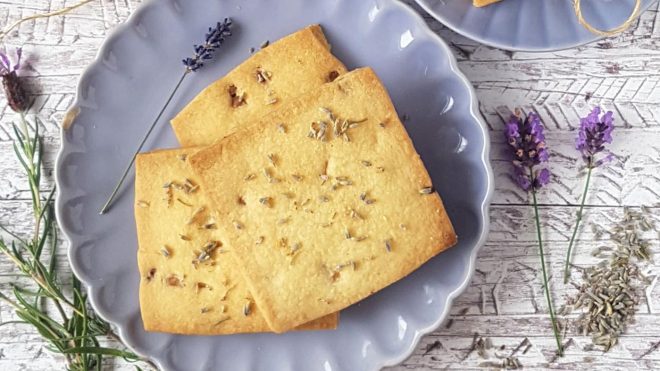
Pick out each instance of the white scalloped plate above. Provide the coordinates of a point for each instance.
(121, 92)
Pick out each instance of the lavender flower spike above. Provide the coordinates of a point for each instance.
(16, 97)
(595, 131)
(593, 134)
(527, 142)
(214, 38)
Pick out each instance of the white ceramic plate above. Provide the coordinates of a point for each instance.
(122, 91)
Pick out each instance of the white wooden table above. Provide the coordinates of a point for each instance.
(620, 73)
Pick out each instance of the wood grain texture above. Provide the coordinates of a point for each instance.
(620, 73)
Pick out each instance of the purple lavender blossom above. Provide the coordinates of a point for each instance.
(595, 131)
(527, 141)
(214, 38)
(17, 99)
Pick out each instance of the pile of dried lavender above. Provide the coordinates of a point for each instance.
(611, 291)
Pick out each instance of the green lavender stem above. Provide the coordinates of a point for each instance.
(108, 203)
(555, 328)
(567, 271)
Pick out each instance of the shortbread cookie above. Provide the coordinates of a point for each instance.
(189, 284)
(272, 76)
(324, 201)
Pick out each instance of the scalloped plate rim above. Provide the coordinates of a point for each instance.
(484, 157)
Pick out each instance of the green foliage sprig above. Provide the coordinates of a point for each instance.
(61, 316)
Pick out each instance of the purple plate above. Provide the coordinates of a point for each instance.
(121, 92)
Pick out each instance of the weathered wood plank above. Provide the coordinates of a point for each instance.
(631, 180)
(453, 354)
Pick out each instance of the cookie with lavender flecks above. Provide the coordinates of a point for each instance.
(189, 284)
(325, 201)
(272, 76)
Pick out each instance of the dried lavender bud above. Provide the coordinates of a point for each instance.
(332, 76)
(214, 38)
(17, 98)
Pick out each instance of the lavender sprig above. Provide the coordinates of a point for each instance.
(215, 37)
(594, 133)
(62, 317)
(527, 144)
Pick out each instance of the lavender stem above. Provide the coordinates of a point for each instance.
(144, 139)
(567, 268)
(555, 328)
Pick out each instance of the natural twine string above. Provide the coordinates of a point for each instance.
(613, 31)
(61, 11)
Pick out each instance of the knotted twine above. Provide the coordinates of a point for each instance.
(622, 27)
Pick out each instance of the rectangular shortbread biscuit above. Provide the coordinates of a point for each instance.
(325, 201)
(272, 76)
(189, 284)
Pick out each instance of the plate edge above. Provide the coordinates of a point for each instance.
(485, 203)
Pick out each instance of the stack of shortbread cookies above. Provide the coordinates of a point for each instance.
(296, 193)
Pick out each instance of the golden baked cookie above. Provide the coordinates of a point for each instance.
(324, 201)
(272, 76)
(189, 284)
